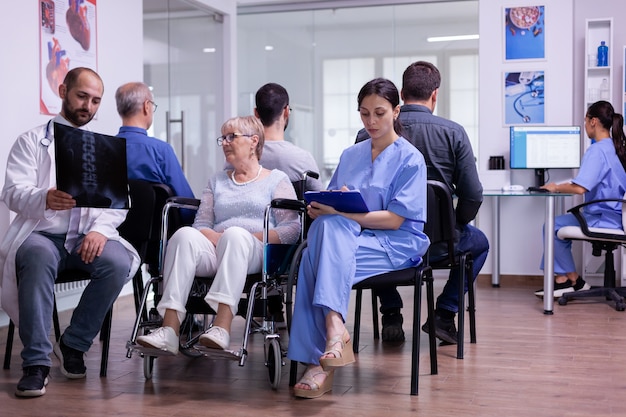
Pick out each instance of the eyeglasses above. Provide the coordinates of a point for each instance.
(154, 105)
(228, 138)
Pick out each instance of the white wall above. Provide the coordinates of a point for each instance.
(522, 218)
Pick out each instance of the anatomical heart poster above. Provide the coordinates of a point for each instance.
(67, 33)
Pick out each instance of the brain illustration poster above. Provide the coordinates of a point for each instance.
(67, 31)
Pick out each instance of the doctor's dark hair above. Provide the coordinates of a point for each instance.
(71, 78)
(383, 88)
(419, 80)
(270, 101)
(614, 123)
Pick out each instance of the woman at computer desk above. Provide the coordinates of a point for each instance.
(601, 175)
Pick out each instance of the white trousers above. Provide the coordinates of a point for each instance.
(189, 253)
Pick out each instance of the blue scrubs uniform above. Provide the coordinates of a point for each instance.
(602, 175)
(340, 253)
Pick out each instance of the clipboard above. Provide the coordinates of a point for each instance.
(345, 201)
(91, 167)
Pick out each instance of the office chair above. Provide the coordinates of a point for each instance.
(136, 229)
(602, 239)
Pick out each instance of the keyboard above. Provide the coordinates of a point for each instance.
(538, 190)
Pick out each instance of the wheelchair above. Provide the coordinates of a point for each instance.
(253, 305)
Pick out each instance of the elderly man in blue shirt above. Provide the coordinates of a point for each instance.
(151, 159)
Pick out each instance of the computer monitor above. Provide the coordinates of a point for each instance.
(544, 147)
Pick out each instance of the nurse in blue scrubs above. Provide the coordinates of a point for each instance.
(345, 248)
(602, 175)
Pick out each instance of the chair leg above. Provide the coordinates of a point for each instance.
(461, 313)
(415, 346)
(357, 321)
(293, 373)
(55, 321)
(471, 295)
(105, 336)
(430, 302)
(375, 315)
(9, 347)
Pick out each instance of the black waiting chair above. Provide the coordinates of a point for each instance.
(137, 230)
(602, 239)
(414, 277)
(440, 228)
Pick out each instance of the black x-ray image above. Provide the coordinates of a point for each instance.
(91, 167)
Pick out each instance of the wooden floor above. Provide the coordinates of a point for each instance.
(572, 363)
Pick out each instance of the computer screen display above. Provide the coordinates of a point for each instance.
(545, 147)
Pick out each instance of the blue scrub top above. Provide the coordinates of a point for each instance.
(394, 181)
(602, 175)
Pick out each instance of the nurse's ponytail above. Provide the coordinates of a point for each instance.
(614, 123)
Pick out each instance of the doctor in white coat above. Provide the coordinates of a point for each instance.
(49, 234)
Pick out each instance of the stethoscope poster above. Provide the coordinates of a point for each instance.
(67, 34)
(524, 32)
(524, 101)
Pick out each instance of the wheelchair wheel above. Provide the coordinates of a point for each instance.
(190, 331)
(292, 280)
(274, 362)
(148, 366)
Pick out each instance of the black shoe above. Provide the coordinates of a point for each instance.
(72, 362)
(392, 328)
(34, 381)
(445, 329)
(567, 286)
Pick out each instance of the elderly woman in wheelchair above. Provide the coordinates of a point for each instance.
(226, 238)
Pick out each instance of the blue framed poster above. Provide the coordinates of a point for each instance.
(524, 32)
(524, 101)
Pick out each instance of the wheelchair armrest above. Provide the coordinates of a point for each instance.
(285, 203)
(183, 202)
(311, 174)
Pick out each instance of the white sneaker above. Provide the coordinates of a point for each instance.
(215, 338)
(163, 338)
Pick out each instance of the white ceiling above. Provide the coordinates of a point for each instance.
(446, 16)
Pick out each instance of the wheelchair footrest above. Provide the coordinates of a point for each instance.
(146, 351)
(217, 353)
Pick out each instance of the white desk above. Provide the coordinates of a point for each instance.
(548, 259)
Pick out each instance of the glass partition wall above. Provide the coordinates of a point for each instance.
(323, 57)
(183, 61)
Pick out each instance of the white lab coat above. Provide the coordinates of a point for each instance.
(30, 174)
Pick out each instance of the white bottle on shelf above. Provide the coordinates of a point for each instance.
(604, 89)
